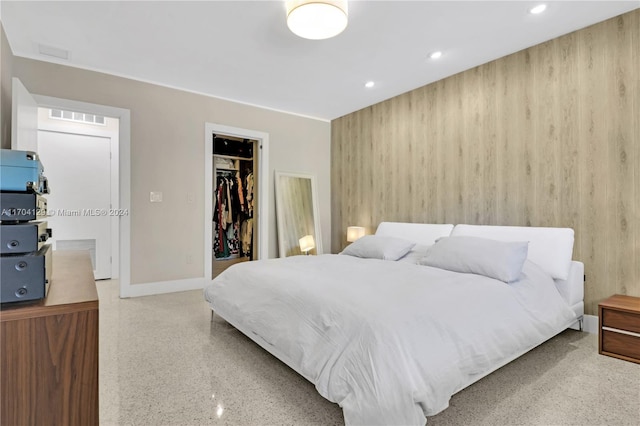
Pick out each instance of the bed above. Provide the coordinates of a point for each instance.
(389, 336)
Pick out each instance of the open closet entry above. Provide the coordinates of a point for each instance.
(235, 201)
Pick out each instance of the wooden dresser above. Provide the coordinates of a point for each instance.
(49, 350)
(619, 334)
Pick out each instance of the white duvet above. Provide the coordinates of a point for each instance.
(390, 342)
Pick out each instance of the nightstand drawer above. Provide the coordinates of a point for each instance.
(620, 327)
(628, 321)
(621, 344)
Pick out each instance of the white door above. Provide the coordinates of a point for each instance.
(24, 118)
(79, 171)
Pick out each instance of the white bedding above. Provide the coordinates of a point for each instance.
(390, 342)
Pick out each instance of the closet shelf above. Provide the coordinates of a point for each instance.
(233, 157)
(227, 168)
(232, 256)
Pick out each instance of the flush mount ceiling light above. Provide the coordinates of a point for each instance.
(538, 9)
(435, 55)
(317, 19)
(369, 84)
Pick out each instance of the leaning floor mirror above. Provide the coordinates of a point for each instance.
(297, 214)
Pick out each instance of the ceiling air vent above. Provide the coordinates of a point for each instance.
(53, 52)
(78, 117)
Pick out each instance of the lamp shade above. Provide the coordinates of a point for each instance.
(354, 232)
(307, 243)
(317, 19)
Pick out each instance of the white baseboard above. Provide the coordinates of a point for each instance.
(590, 324)
(149, 289)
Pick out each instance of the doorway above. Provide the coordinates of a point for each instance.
(235, 200)
(81, 204)
(216, 258)
(121, 201)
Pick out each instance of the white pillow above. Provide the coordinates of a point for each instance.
(549, 248)
(415, 254)
(494, 259)
(379, 247)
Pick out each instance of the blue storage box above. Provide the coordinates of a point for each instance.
(21, 171)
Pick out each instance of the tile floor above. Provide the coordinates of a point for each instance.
(164, 362)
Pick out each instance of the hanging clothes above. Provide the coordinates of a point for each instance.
(227, 238)
(249, 192)
(229, 206)
(240, 193)
(246, 235)
(220, 214)
(233, 199)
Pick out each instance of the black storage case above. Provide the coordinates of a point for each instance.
(25, 276)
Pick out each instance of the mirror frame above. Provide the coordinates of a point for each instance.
(280, 211)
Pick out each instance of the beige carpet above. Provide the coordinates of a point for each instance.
(163, 362)
(562, 382)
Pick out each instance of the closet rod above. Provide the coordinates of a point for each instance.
(233, 157)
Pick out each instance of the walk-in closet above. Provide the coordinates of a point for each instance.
(235, 201)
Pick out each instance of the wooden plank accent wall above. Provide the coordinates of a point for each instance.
(548, 136)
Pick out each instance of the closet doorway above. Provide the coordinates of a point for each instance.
(235, 199)
(235, 207)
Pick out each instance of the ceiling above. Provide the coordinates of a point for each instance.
(243, 50)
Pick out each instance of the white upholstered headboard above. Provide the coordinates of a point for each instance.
(420, 233)
(550, 248)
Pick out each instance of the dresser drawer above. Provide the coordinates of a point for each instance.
(628, 321)
(621, 344)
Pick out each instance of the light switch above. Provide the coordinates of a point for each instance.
(155, 197)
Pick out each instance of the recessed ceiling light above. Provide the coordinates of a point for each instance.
(435, 55)
(538, 9)
(369, 84)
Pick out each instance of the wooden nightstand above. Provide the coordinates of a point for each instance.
(619, 331)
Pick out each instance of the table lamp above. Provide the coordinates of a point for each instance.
(306, 244)
(354, 232)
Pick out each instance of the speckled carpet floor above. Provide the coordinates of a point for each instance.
(163, 362)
